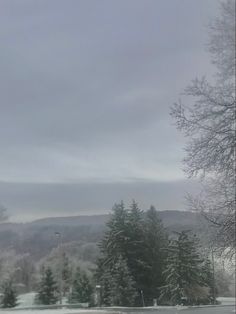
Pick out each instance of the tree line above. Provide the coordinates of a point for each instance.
(139, 264)
(53, 288)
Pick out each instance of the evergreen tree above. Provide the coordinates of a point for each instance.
(48, 290)
(105, 282)
(138, 240)
(122, 290)
(208, 280)
(114, 242)
(9, 298)
(156, 240)
(136, 249)
(65, 275)
(81, 288)
(114, 246)
(183, 274)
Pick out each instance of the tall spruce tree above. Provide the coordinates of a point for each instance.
(183, 273)
(65, 274)
(9, 298)
(122, 291)
(115, 239)
(105, 282)
(48, 290)
(136, 249)
(113, 245)
(138, 240)
(209, 280)
(81, 288)
(156, 241)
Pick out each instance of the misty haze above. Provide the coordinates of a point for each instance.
(117, 164)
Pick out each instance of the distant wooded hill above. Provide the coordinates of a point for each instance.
(39, 237)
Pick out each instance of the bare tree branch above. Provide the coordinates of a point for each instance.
(209, 121)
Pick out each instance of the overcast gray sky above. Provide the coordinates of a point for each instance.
(85, 93)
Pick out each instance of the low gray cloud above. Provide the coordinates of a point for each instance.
(86, 86)
(31, 201)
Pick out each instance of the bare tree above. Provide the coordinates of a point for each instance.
(208, 121)
(222, 41)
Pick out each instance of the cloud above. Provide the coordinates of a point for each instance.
(32, 201)
(86, 86)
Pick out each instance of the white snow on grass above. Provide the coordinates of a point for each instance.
(26, 300)
(227, 300)
(56, 311)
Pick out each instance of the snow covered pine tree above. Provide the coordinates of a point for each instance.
(9, 298)
(48, 290)
(184, 273)
(81, 288)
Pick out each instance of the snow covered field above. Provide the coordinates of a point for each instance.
(58, 311)
(27, 301)
(226, 300)
(207, 310)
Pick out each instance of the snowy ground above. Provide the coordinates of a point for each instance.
(27, 301)
(58, 311)
(209, 310)
(226, 300)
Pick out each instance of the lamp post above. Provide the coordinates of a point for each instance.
(142, 297)
(58, 236)
(98, 295)
(213, 276)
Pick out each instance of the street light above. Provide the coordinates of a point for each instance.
(98, 295)
(213, 276)
(58, 236)
(142, 297)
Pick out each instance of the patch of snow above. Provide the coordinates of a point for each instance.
(226, 300)
(26, 300)
(52, 311)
